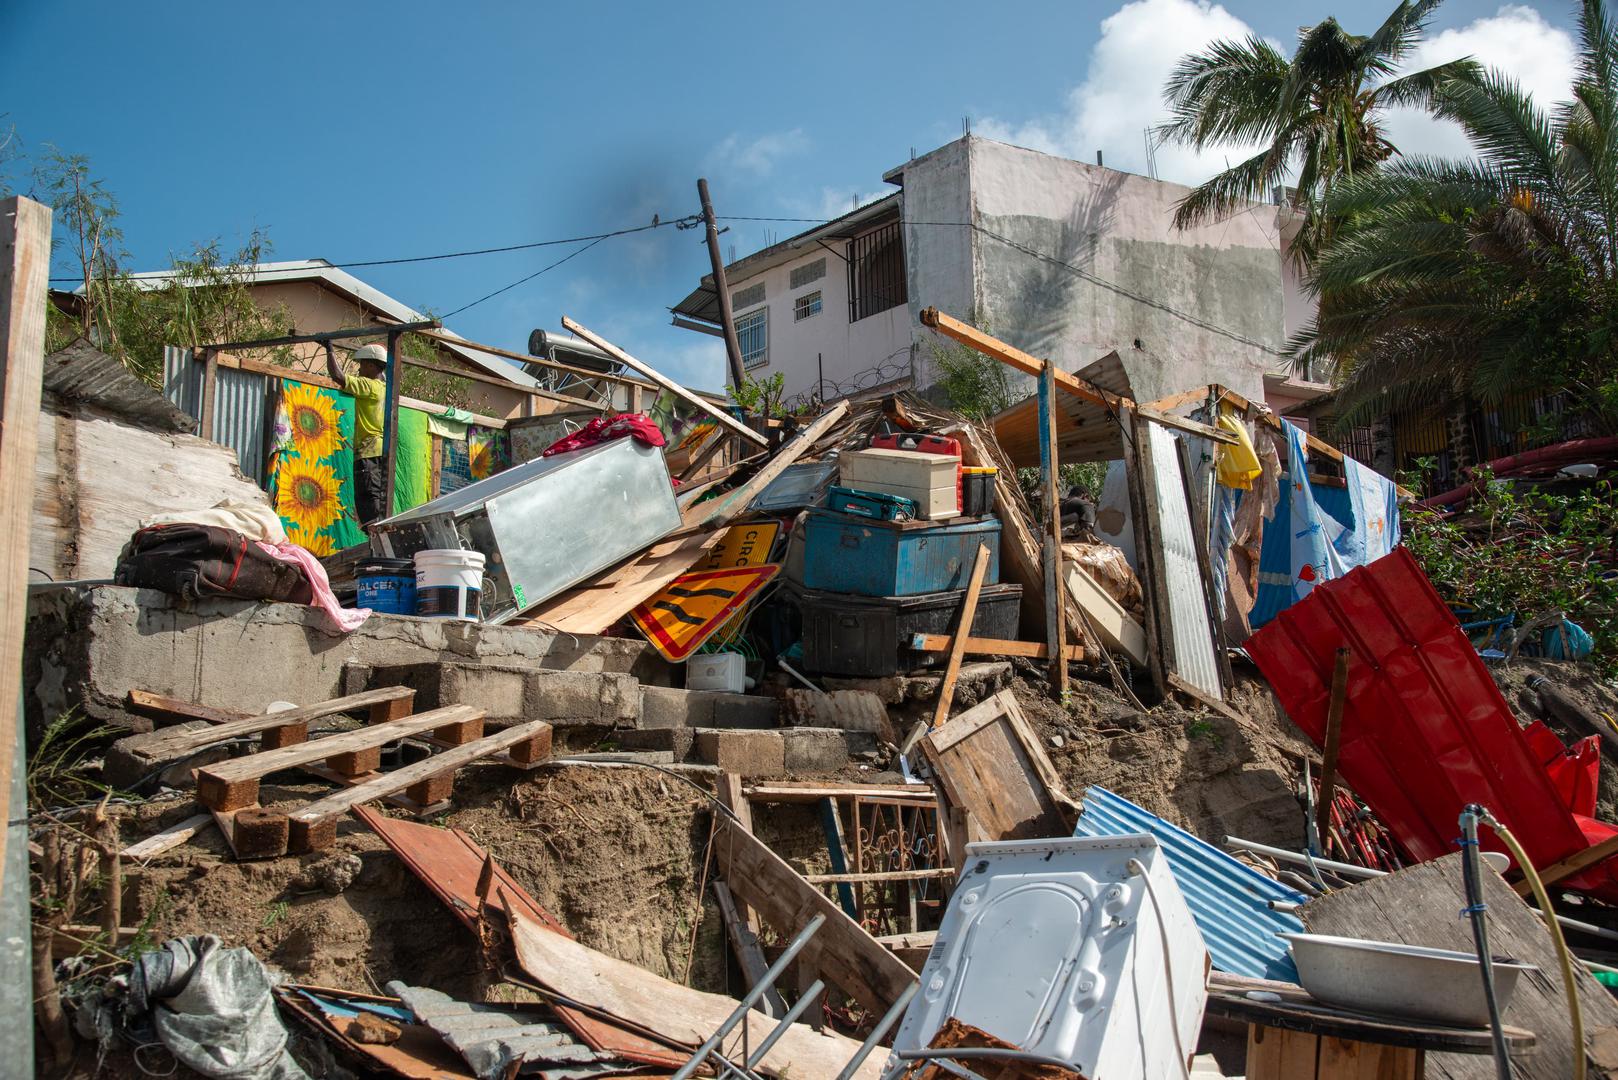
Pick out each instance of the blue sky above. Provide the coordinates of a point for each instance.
(355, 131)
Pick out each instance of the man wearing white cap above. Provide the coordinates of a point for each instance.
(370, 483)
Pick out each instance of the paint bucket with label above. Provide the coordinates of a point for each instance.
(449, 583)
(386, 585)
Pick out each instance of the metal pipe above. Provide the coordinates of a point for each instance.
(328, 335)
(753, 995)
(799, 1007)
(889, 1018)
(982, 1053)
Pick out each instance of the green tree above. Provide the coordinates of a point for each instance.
(1316, 117)
(1486, 277)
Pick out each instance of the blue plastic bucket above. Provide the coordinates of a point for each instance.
(387, 585)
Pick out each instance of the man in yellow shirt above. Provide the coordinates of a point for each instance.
(368, 388)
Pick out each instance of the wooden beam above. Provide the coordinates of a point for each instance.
(749, 954)
(1051, 556)
(785, 791)
(169, 838)
(880, 876)
(1334, 737)
(25, 255)
(735, 426)
(963, 630)
(717, 512)
(1573, 864)
(210, 391)
(174, 743)
(1084, 389)
(842, 950)
(982, 646)
(390, 427)
(1115, 626)
(174, 711)
(729, 788)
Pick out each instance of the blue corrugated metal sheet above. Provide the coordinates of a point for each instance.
(1228, 900)
(241, 403)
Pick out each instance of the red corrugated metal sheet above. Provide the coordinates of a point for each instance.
(1425, 730)
(449, 863)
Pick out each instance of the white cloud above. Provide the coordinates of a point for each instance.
(757, 157)
(1122, 92)
(1516, 40)
(837, 201)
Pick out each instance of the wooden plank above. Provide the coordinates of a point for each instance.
(593, 607)
(1149, 545)
(982, 646)
(990, 764)
(993, 347)
(749, 954)
(1566, 868)
(1417, 906)
(178, 742)
(842, 950)
(963, 630)
(679, 1014)
(1116, 627)
(314, 826)
(25, 255)
(718, 512)
(232, 784)
(1051, 556)
(789, 792)
(170, 838)
(729, 422)
(832, 823)
(728, 786)
(880, 875)
(174, 711)
(210, 392)
(1334, 734)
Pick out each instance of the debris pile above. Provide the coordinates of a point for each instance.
(843, 744)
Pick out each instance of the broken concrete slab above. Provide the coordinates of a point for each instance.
(819, 750)
(666, 707)
(975, 682)
(87, 647)
(847, 710)
(676, 741)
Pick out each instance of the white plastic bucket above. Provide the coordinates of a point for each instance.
(449, 583)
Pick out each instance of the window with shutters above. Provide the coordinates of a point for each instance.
(806, 306)
(803, 275)
(752, 333)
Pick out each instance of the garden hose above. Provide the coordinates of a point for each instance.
(1475, 907)
(1565, 958)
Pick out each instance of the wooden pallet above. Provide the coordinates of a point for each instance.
(230, 789)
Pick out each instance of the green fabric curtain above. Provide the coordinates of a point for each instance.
(413, 462)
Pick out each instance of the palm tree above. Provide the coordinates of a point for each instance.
(1484, 277)
(1317, 117)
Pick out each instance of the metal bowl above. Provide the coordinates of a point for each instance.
(1407, 981)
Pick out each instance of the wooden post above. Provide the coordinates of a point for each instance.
(25, 255)
(390, 425)
(210, 392)
(727, 319)
(1334, 736)
(957, 648)
(1049, 475)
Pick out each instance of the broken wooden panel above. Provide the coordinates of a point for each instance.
(1418, 905)
(989, 763)
(1115, 626)
(842, 951)
(674, 1012)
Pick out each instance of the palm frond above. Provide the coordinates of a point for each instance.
(1400, 31)
(1231, 93)
(1418, 88)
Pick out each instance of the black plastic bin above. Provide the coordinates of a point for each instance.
(869, 636)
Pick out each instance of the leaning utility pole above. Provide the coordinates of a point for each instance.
(727, 321)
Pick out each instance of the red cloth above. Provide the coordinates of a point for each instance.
(625, 425)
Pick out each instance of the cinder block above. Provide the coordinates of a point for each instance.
(813, 750)
(747, 753)
(675, 740)
(497, 691)
(666, 707)
(258, 833)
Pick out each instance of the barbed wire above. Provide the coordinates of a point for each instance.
(884, 371)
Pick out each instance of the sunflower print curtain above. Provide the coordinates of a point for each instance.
(312, 468)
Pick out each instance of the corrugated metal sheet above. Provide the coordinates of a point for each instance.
(1230, 901)
(1194, 657)
(81, 372)
(241, 403)
(1425, 729)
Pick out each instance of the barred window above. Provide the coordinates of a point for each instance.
(806, 306)
(752, 332)
(876, 272)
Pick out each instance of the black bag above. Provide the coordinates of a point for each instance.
(201, 561)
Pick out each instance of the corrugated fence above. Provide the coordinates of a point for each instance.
(242, 403)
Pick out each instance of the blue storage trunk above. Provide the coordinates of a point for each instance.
(879, 558)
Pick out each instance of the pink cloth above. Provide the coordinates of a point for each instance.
(347, 619)
(623, 426)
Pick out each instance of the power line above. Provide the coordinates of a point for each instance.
(520, 281)
(657, 223)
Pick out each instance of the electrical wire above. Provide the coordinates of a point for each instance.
(1136, 867)
(523, 280)
(657, 223)
(1563, 956)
